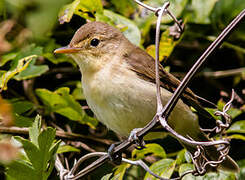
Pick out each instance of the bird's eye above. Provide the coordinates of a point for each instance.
(94, 42)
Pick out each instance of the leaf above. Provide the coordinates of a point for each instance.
(35, 130)
(166, 46)
(20, 106)
(241, 174)
(43, 18)
(237, 127)
(181, 157)
(7, 57)
(61, 102)
(48, 50)
(84, 8)
(23, 121)
(131, 30)
(41, 149)
(32, 71)
(124, 7)
(163, 168)
(77, 93)
(120, 171)
(237, 136)
(201, 10)
(67, 11)
(225, 11)
(151, 149)
(221, 175)
(21, 170)
(21, 66)
(107, 177)
(66, 148)
(31, 151)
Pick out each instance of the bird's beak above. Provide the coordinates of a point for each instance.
(66, 50)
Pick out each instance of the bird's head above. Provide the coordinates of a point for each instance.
(93, 45)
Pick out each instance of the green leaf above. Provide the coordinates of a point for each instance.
(131, 31)
(21, 170)
(107, 177)
(61, 102)
(124, 7)
(31, 151)
(77, 93)
(241, 174)
(221, 175)
(237, 127)
(21, 107)
(21, 66)
(35, 130)
(201, 10)
(32, 49)
(163, 168)
(7, 57)
(48, 50)
(23, 121)
(225, 11)
(32, 71)
(42, 20)
(151, 149)
(40, 150)
(166, 46)
(84, 8)
(120, 171)
(181, 157)
(66, 148)
(237, 136)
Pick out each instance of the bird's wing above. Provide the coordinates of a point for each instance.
(144, 65)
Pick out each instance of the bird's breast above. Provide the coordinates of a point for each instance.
(123, 101)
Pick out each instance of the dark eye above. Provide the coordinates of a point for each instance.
(94, 42)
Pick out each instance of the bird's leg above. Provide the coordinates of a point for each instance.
(116, 158)
(134, 137)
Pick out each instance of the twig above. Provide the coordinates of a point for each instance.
(225, 73)
(59, 134)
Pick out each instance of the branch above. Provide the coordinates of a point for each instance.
(59, 134)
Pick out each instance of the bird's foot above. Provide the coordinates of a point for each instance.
(116, 158)
(133, 137)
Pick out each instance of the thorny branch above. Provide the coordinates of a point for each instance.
(199, 159)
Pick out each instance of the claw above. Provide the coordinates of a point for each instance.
(133, 137)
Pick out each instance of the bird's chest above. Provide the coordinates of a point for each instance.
(120, 100)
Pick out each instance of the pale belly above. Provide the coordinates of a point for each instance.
(123, 104)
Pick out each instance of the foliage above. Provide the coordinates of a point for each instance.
(34, 81)
(39, 157)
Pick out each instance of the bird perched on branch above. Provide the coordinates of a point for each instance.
(118, 81)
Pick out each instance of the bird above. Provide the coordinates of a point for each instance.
(118, 82)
